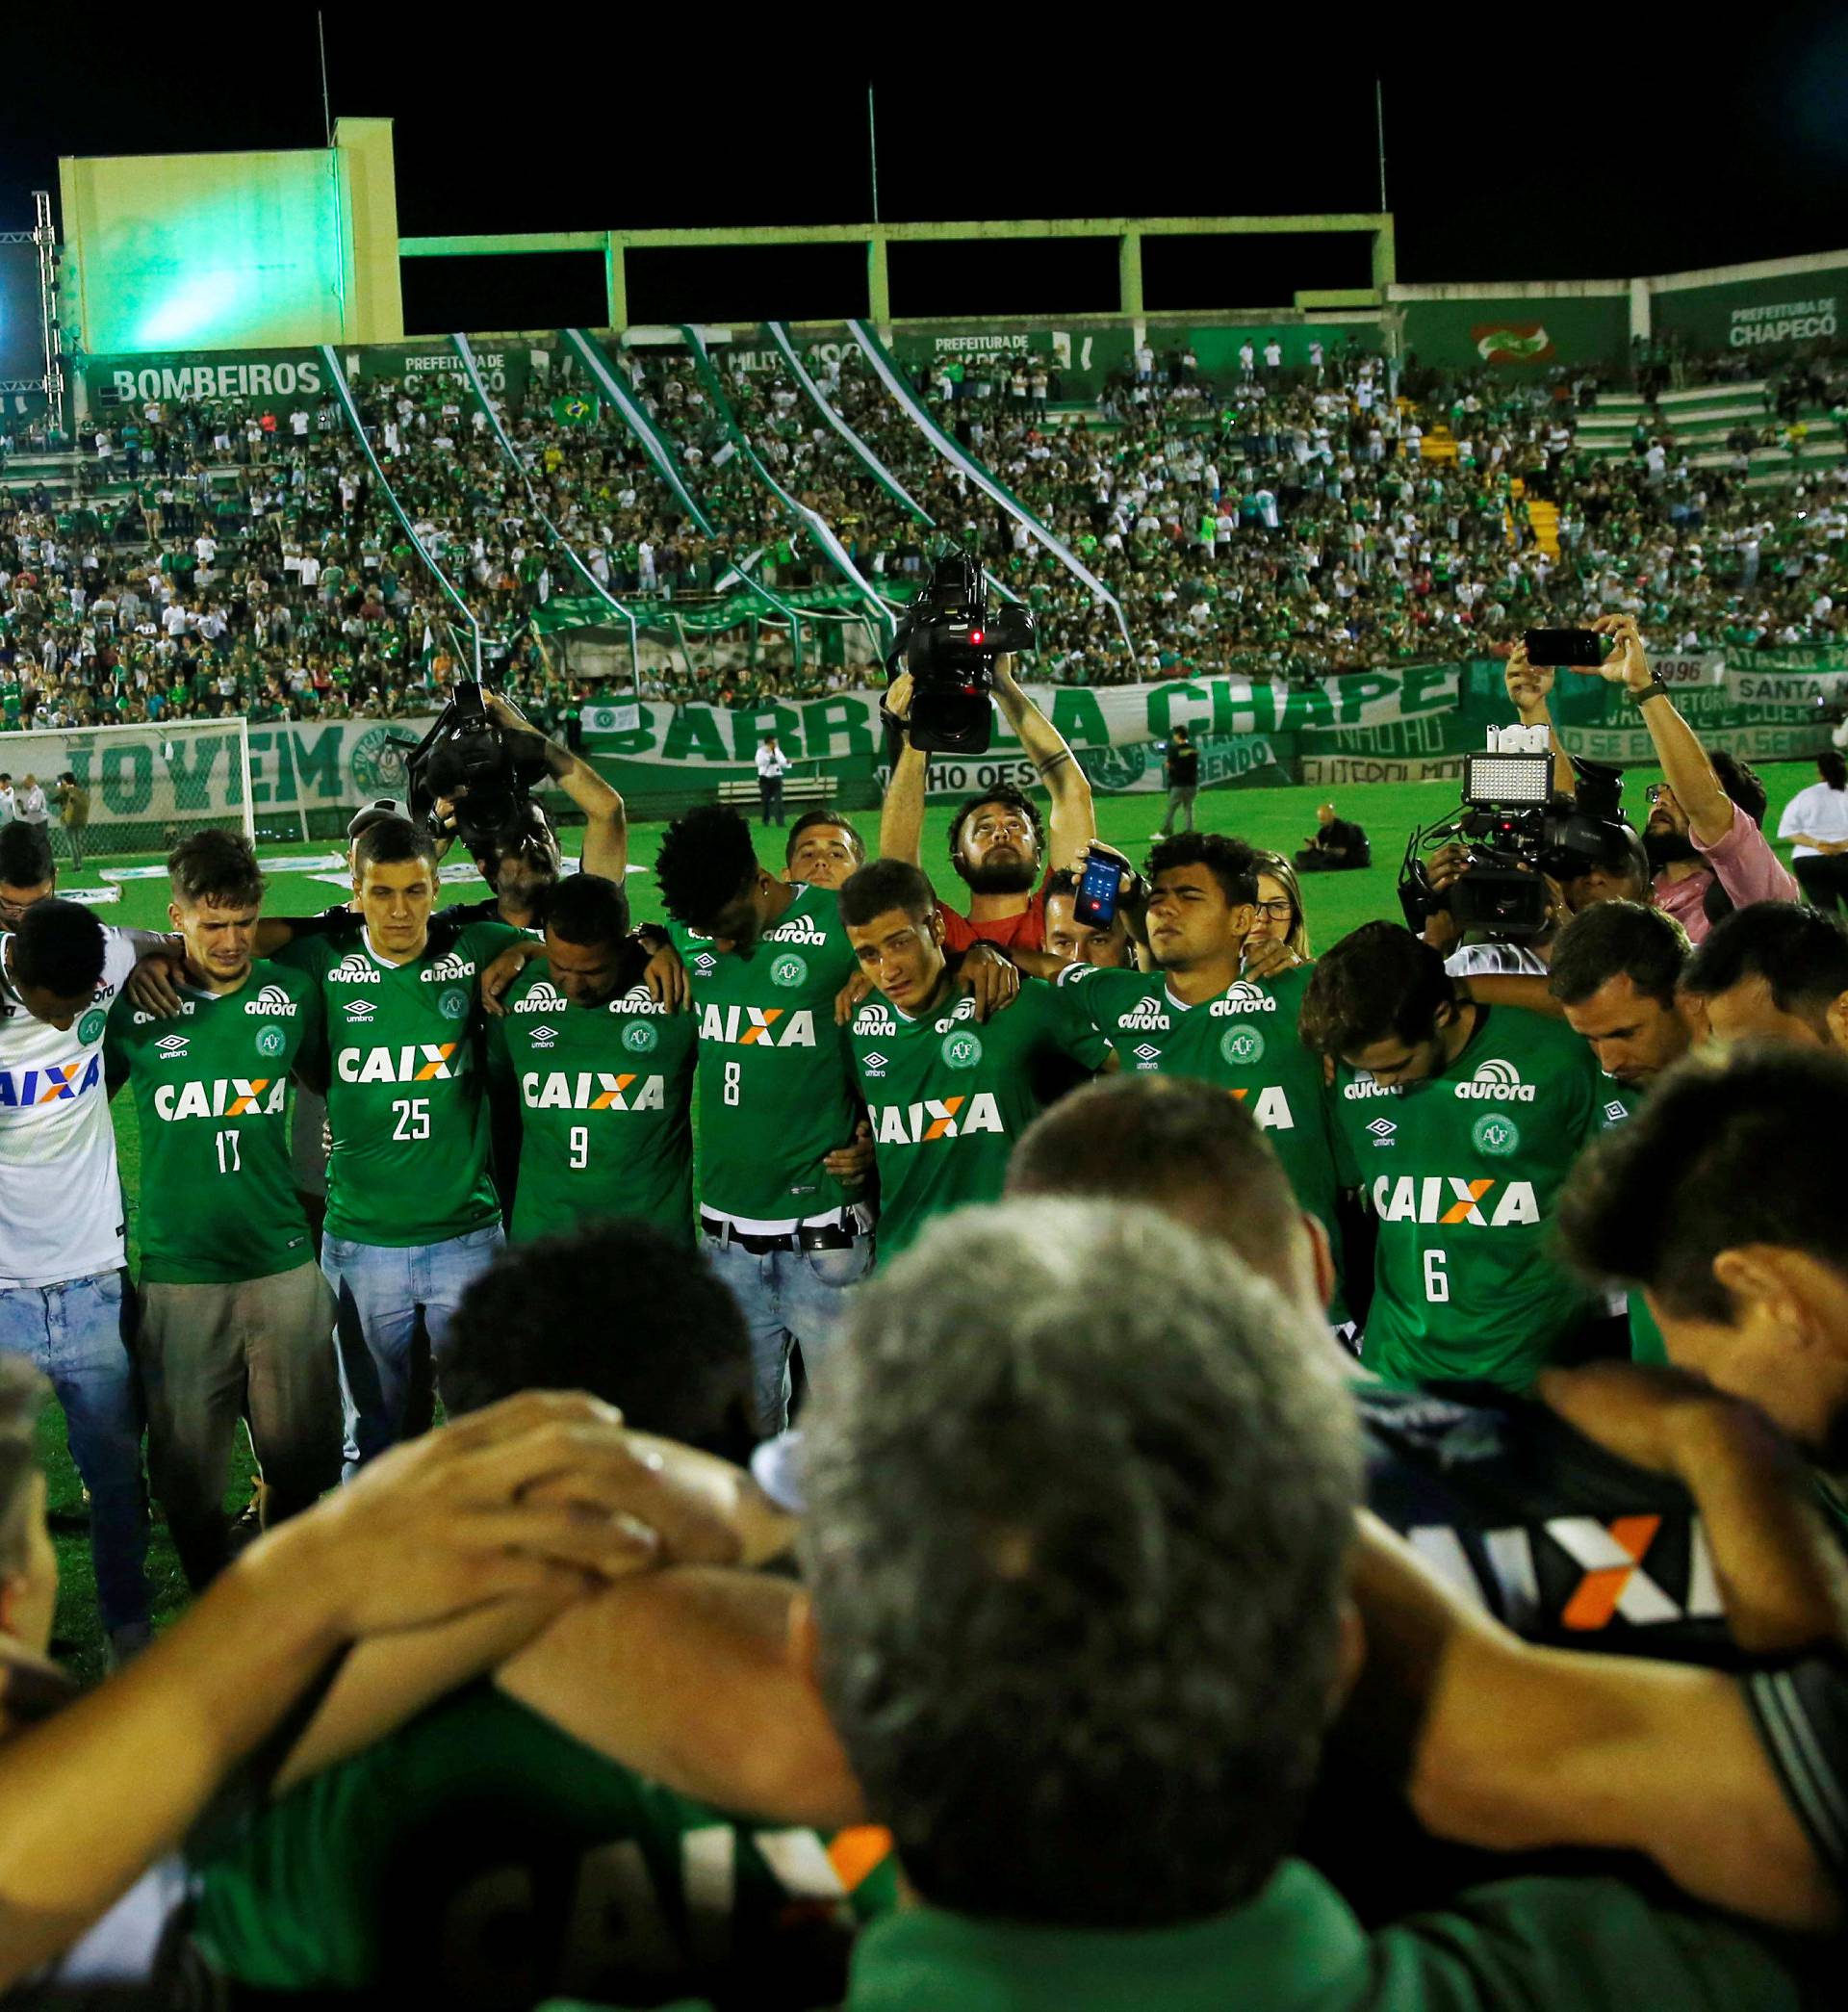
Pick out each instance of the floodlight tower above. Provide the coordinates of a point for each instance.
(45, 238)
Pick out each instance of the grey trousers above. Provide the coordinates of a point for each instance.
(1180, 801)
(209, 1354)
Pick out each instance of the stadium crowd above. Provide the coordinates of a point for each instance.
(992, 1452)
(220, 554)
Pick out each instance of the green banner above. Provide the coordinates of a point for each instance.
(1518, 332)
(506, 367)
(1770, 317)
(290, 377)
(1082, 357)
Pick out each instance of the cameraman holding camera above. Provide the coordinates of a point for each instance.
(526, 863)
(997, 843)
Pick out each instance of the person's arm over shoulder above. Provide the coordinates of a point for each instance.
(1066, 1013)
(1745, 866)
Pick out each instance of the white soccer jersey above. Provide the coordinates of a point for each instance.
(60, 1197)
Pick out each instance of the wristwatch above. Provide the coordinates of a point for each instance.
(1653, 690)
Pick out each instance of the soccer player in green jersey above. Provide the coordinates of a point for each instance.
(600, 1072)
(1458, 1121)
(946, 1099)
(412, 1211)
(234, 1312)
(781, 1179)
(1195, 1016)
(1617, 971)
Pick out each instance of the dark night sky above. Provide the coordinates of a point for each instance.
(1513, 151)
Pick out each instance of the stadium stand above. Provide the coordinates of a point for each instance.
(197, 556)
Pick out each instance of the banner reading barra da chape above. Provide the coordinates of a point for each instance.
(844, 728)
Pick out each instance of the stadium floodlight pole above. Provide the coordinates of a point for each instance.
(872, 149)
(326, 103)
(1380, 130)
(344, 394)
(460, 344)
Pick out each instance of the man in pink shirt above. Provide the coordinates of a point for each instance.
(1703, 832)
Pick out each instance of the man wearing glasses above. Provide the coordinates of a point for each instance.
(1703, 837)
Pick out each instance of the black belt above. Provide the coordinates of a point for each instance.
(820, 1236)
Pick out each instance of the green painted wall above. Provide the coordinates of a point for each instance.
(1535, 334)
(1772, 317)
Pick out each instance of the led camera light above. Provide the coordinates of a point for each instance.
(1507, 779)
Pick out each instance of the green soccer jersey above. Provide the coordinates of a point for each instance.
(1618, 1102)
(480, 1855)
(1462, 1171)
(210, 1087)
(405, 1102)
(1244, 1042)
(948, 1099)
(775, 1077)
(602, 1095)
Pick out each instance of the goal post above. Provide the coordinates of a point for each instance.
(146, 786)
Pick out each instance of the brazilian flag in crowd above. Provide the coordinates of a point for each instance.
(573, 409)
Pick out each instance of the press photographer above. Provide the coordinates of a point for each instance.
(472, 778)
(1703, 837)
(998, 844)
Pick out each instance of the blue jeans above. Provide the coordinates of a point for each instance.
(384, 1297)
(72, 1335)
(787, 1297)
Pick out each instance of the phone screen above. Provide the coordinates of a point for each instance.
(1551, 647)
(1094, 905)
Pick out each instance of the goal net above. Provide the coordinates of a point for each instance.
(147, 786)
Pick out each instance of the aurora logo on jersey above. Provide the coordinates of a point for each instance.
(417, 1061)
(1446, 1199)
(872, 1019)
(232, 1097)
(1497, 1080)
(273, 1003)
(353, 969)
(1147, 1018)
(446, 968)
(801, 929)
(593, 1090)
(1364, 1087)
(1243, 998)
(759, 1026)
(52, 1084)
(935, 1117)
(544, 997)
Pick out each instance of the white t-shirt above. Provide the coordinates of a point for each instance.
(29, 806)
(1819, 810)
(60, 1197)
(771, 763)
